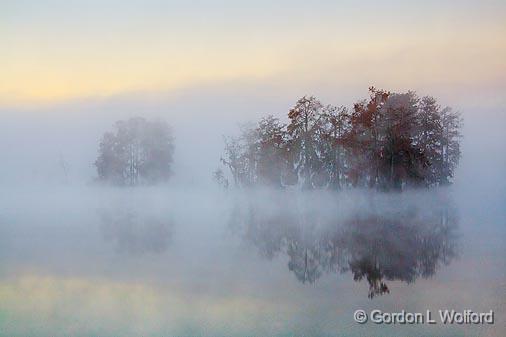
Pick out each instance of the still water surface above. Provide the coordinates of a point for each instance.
(90, 261)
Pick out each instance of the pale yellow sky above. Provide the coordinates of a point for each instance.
(64, 51)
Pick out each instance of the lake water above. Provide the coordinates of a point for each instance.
(89, 261)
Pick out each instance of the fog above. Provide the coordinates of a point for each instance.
(199, 117)
(35, 139)
(187, 257)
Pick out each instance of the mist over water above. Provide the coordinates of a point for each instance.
(189, 258)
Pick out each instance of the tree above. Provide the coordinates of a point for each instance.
(451, 122)
(429, 136)
(137, 151)
(334, 130)
(365, 137)
(438, 137)
(390, 141)
(272, 155)
(304, 130)
(240, 156)
(259, 155)
(402, 162)
(220, 179)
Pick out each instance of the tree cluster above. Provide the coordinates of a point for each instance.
(138, 151)
(388, 141)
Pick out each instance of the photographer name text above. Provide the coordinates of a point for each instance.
(445, 316)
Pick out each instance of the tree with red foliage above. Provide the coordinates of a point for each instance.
(389, 142)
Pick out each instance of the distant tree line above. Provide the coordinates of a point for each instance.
(388, 141)
(138, 151)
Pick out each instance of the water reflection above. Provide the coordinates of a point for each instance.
(136, 232)
(376, 245)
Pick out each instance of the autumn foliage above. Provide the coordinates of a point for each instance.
(387, 141)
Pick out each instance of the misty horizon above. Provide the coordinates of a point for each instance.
(68, 129)
(244, 169)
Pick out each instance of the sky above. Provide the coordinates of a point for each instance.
(70, 69)
(55, 51)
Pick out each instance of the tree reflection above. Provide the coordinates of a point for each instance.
(377, 246)
(134, 232)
